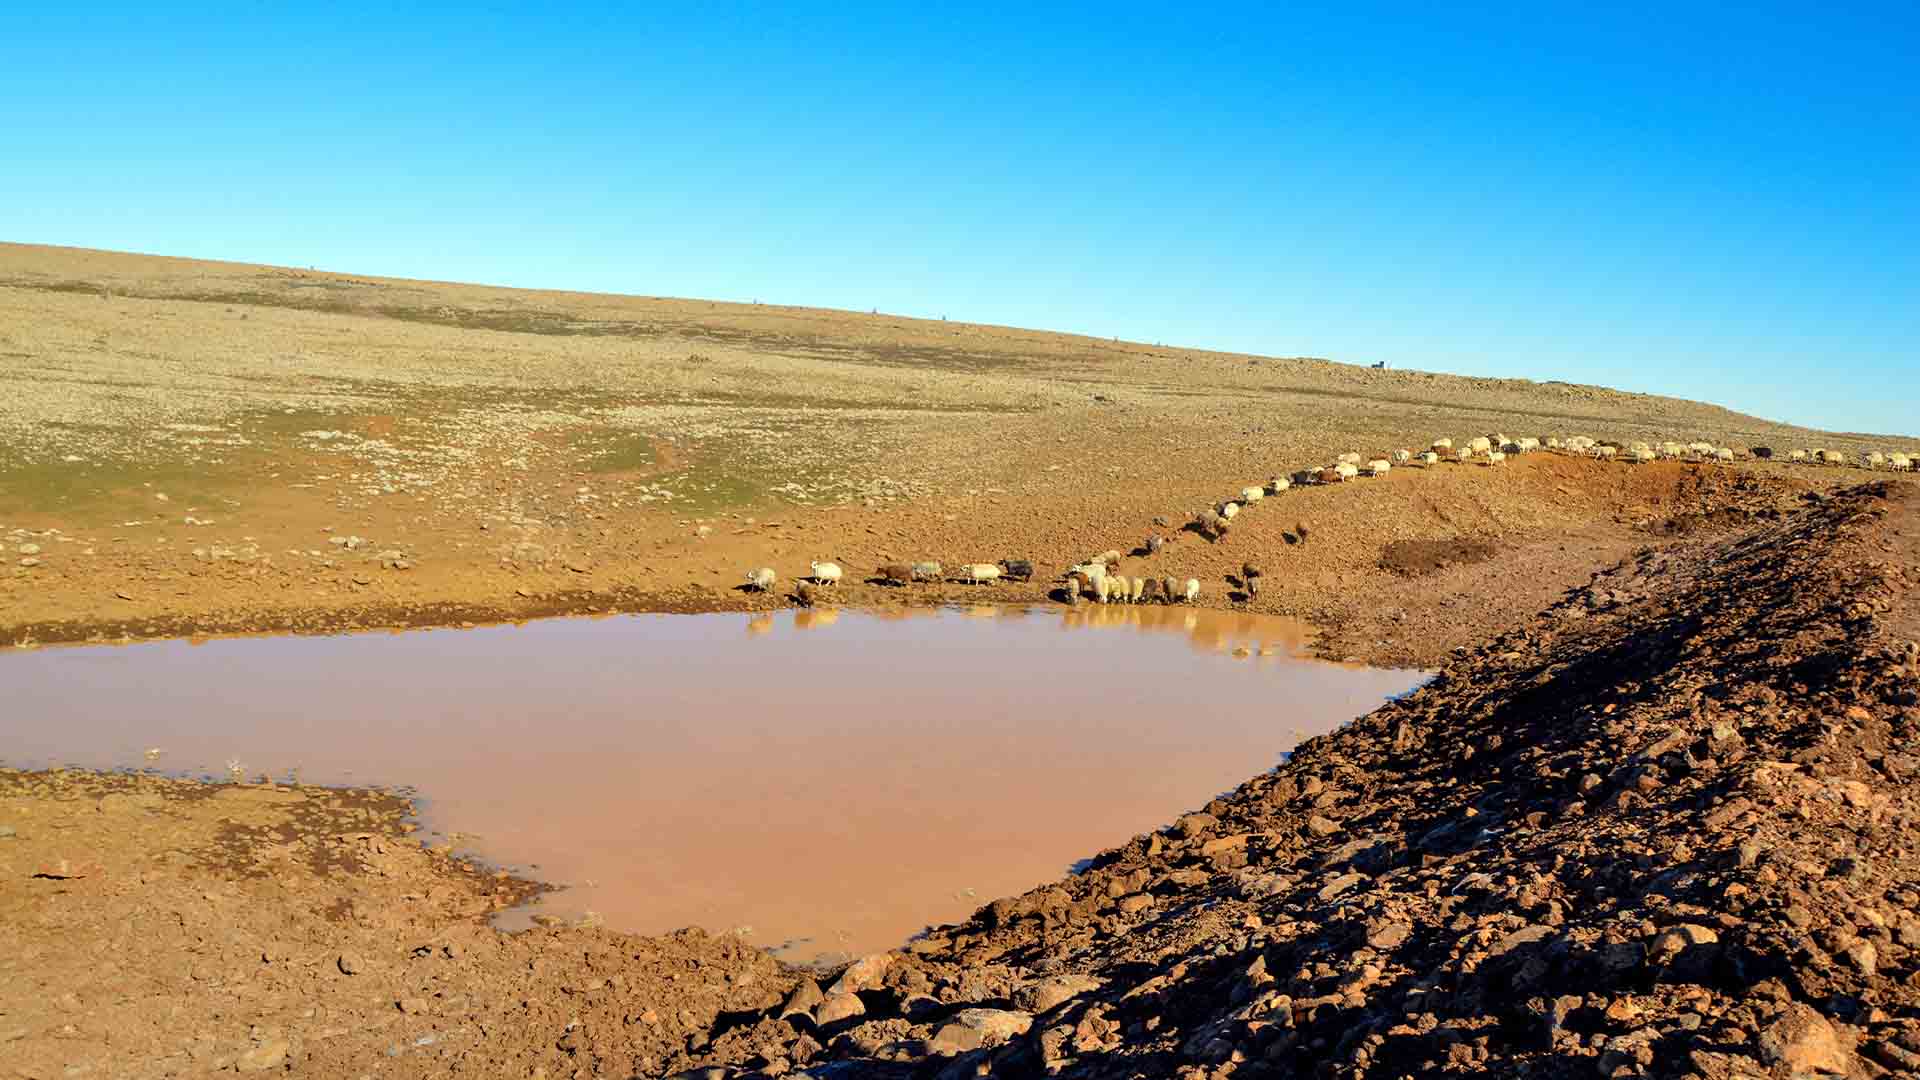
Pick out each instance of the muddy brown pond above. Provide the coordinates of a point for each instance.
(828, 782)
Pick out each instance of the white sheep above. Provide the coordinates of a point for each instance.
(1672, 450)
(1797, 455)
(1346, 470)
(1480, 444)
(1136, 589)
(1834, 457)
(825, 573)
(1900, 462)
(1496, 457)
(1644, 454)
(1442, 444)
(1278, 484)
(926, 571)
(1606, 453)
(1401, 457)
(1429, 459)
(1553, 442)
(1228, 509)
(1192, 590)
(1528, 444)
(1348, 458)
(1723, 453)
(1379, 467)
(979, 573)
(762, 579)
(1252, 494)
(1876, 460)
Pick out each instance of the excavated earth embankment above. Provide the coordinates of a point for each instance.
(1665, 828)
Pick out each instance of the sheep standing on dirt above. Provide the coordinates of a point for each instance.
(1211, 525)
(1252, 494)
(1346, 470)
(895, 573)
(1348, 458)
(1429, 459)
(1379, 467)
(1876, 460)
(1111, 558)
(1441, 446)
(1496, 457)
(1401, 457)
(1797, 455)
(927, 571)
(1149, 591)
(1228, 509)
(979, 573)
(1017, 569)
(1643, 454)
(1278, 484)
(1900, 462)
(1723, 454)
(824, 573)
(1154, 543)
(1250, 578)
(762, 579)
(1480, 444)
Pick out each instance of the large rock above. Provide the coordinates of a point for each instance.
(863, 974)
(268, 1055)
(1804, 1041)
(838, 1007)
(803, 999)
(972, 1029)
(1043, 994)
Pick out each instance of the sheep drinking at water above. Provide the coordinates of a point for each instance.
(927, 571)
(762, 579)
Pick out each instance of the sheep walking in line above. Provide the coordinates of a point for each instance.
(1797, 455)
(1480, 444)
(1154, 543)
(1900, 462)
(895, 573)
(1017, 569)
(979, 573)
(1211, 525)
(1429, 459)
(1876, 460)
(1278, 484)
(1228, 509)
(762, 579)
(824, 573)
(1496, 457)
(1723, 453)
(1348, 458)
(1441, 446)
(926, 571)
(1252, 494)
(1250, 578)
(1401, 457)
(1379, 467)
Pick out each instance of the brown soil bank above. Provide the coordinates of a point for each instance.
(1664, 827)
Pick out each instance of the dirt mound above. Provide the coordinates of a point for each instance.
(1663, 828)
(1417, 558)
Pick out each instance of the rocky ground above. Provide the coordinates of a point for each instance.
(1651, 821)
(1662, 827)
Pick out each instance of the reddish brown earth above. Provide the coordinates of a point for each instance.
(1662, 827)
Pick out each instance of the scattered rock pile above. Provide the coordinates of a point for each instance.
(1666, 828)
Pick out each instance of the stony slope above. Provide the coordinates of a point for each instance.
(1664, 828)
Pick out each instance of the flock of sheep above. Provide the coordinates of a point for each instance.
(1099, 578)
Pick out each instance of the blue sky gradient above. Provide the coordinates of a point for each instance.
(1714, 201)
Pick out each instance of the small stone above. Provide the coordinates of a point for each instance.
(6, 832)
(1135, 904)
(349, 964)
(412, 1006)
(29, 549)
(1045, 994)
(268, 1055)
(1671, 942)
(1320, 826)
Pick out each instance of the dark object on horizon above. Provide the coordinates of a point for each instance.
(1763, 452)
(1381, 366)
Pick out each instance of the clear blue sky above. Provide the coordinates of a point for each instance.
(1715, 201)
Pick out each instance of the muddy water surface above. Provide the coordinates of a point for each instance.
(829, 781)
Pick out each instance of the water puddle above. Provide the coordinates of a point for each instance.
(828, 781)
